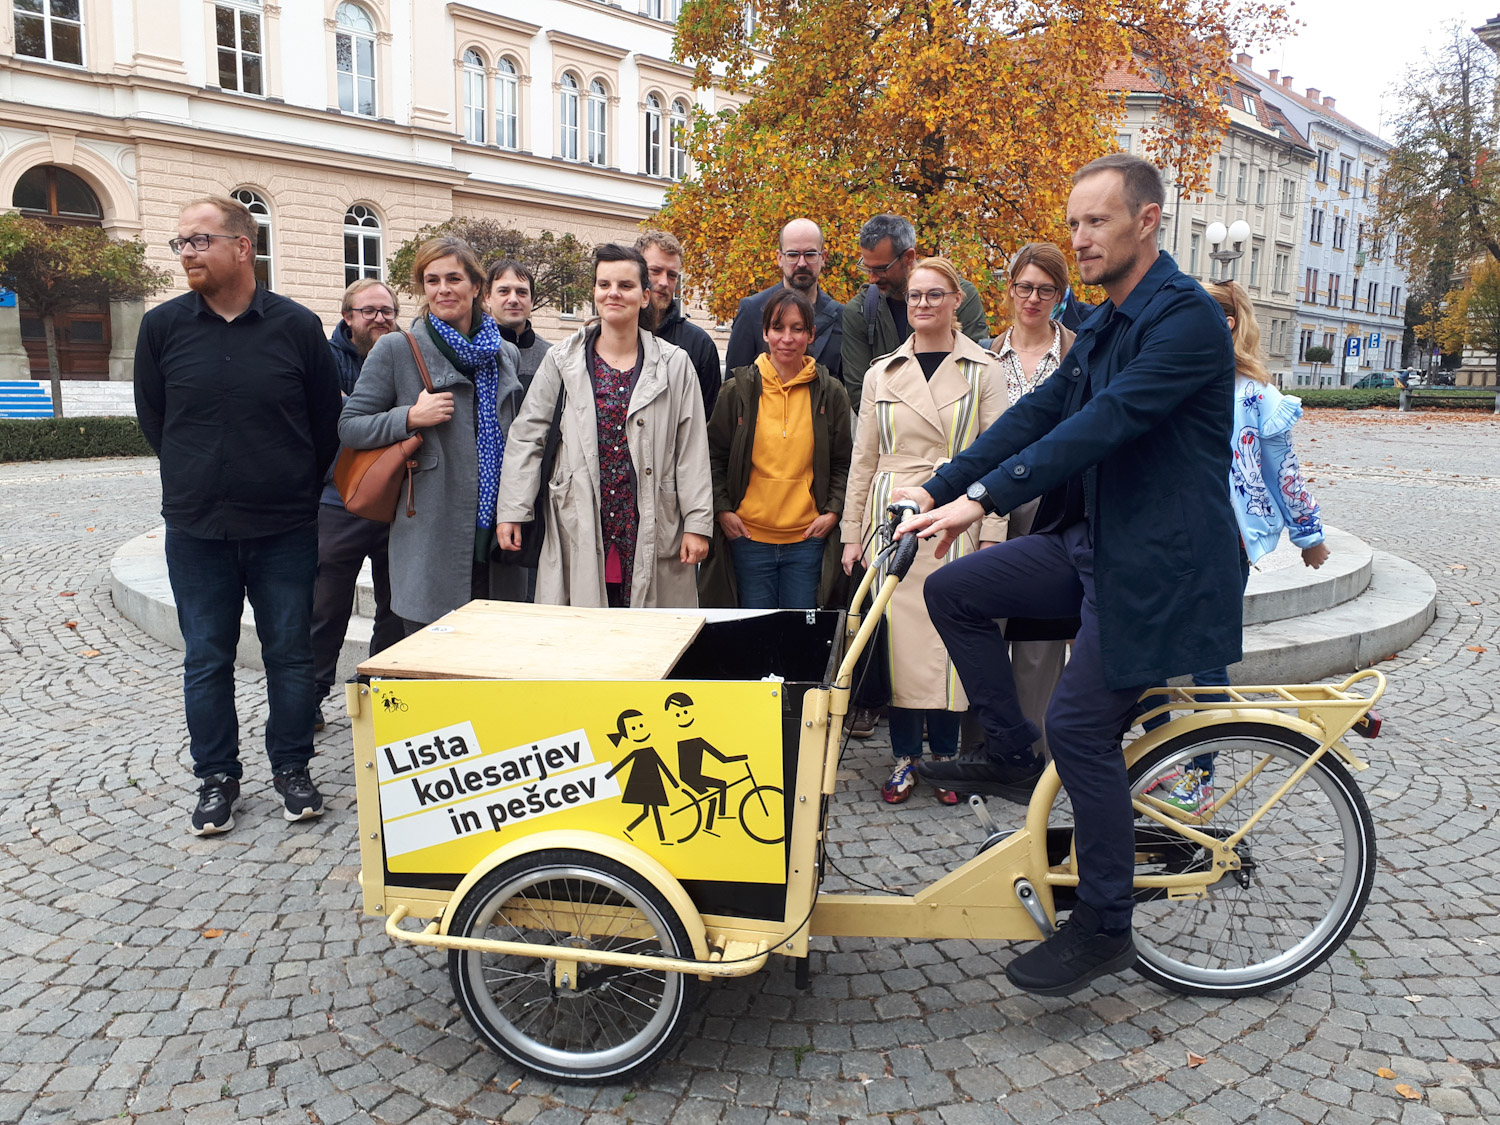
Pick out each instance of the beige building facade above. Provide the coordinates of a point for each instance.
(345, 127)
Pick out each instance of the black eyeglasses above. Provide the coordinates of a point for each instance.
(878, 271)
(199, 242)
(928, 296)
(1045, 292)
(376, 312)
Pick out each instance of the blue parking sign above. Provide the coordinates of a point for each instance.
(1351, 346)
(1374, 340)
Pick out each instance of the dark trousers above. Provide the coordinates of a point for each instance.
(210, 580)
(907, 724)
(344, 542)
(1048, 575)
(777, 575)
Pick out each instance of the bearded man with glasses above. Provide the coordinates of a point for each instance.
(237, 393)
(875, 322)
(345, 540)
(800, 257)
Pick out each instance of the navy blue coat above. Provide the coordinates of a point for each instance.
(746, 341)
(1153, 447)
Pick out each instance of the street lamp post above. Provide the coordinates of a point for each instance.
(1238, 232)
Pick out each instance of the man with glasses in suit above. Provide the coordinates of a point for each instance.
(799, 253)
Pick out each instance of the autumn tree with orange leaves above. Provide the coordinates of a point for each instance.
(966, 116)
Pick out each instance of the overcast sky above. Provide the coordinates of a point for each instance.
(1357, 50)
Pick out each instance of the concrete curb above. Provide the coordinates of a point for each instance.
(1328, 622)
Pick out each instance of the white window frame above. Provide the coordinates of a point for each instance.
(677, 127)
(48, 19)
(654, 124)
(257, 206)
(357, 36)
(597, 131)
(240, 9)
(567, 116)
(362, 224)
(476, 100)
(507, 104)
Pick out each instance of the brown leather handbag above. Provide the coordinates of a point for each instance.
(369, 480)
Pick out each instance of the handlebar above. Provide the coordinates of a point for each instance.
(905, 552)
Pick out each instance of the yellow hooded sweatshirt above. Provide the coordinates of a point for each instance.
(778, 503)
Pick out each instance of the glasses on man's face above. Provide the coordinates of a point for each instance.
(199, 242)
(1045, 292)
(928, 296)
(878, 271)
(802, 255)
(376, 312)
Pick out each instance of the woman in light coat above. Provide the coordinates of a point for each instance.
(920, 405)
(439, 556)
(630, 503)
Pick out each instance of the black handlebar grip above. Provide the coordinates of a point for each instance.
(905, 555)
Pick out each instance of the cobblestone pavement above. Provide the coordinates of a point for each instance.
(155, 977)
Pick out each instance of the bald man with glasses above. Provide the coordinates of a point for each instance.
(799, 255)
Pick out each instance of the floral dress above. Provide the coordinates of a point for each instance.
(618, 518)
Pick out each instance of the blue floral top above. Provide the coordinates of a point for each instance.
(1265, 481)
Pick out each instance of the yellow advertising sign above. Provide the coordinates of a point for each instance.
(690, 772)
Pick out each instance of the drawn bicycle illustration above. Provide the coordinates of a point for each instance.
(761, 812)
(391, 703)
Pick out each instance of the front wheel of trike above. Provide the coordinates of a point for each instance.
(602, 1022)
(1306, 866)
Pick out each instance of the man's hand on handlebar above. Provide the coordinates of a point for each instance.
(918, 496)
(946, 523)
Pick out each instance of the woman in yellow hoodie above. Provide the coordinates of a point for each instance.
(779, 445)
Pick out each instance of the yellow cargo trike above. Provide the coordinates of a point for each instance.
(601, 809)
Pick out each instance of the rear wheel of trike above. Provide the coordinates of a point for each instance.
(606, 1022)
(1307, 865)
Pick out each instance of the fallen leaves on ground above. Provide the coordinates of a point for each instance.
(89, 652)
(70, 624)
(66, 594)
(1408, 1092)
(1414, 999)
(1478, 648)
(213, 933)
(1385, 1072)
(1195, 1061)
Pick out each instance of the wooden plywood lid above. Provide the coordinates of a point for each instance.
(487, 640)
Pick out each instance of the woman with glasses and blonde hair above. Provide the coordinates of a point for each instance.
(919, 406)
(439, 556)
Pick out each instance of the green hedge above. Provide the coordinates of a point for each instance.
(1475, 398)
(52, 439)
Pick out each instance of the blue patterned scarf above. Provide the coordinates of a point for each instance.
(479, 355)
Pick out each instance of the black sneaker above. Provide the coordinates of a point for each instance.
(1076, 954)
(990, 777)
(318, 721)
(215, 811)
(298, 794)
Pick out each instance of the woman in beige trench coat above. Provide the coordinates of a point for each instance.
(920, 406)
(632, 416)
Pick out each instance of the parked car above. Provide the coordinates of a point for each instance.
(1440, 378)
(1374, 379)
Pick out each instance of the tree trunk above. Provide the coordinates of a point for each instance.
(49, 324)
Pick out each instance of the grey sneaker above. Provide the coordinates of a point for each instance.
(215, 811)
(298, 794)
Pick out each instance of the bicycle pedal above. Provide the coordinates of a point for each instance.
(981, 810)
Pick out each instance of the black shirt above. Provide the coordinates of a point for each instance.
(898, 314)
(243, 414)
(930, 362)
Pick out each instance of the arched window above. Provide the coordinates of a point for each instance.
(653, 135)
(475, 112)
(361, 244)
(677, 140)
(49, 30)
(81, 333)
(57, 195)
(354, 56)
(567, 116)
(237, 32)
(258, 207)
(507, 105)
(598, 106)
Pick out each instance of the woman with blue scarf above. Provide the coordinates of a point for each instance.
(439, 556)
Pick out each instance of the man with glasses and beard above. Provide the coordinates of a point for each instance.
(345, 540)
(237, 393)
(875, 317)
(799, 253)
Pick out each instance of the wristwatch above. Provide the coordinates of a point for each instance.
(977, 491)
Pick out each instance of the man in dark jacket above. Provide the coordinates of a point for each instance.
(236, 391)
(663, 254)
(345, 540)
(875, 321)
(1128, 444)
(799, 253)
(510, 299)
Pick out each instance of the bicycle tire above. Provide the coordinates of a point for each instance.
(1309, 865)
(769, 820)
(603, 1032)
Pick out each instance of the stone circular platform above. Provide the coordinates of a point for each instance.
(1301, 624)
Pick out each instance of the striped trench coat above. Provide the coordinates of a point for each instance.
(907, 428)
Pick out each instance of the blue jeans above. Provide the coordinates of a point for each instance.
(906, 731)
(777, 575)
(210, 580)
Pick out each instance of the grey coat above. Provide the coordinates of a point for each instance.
(431, 553)
(668, 442)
